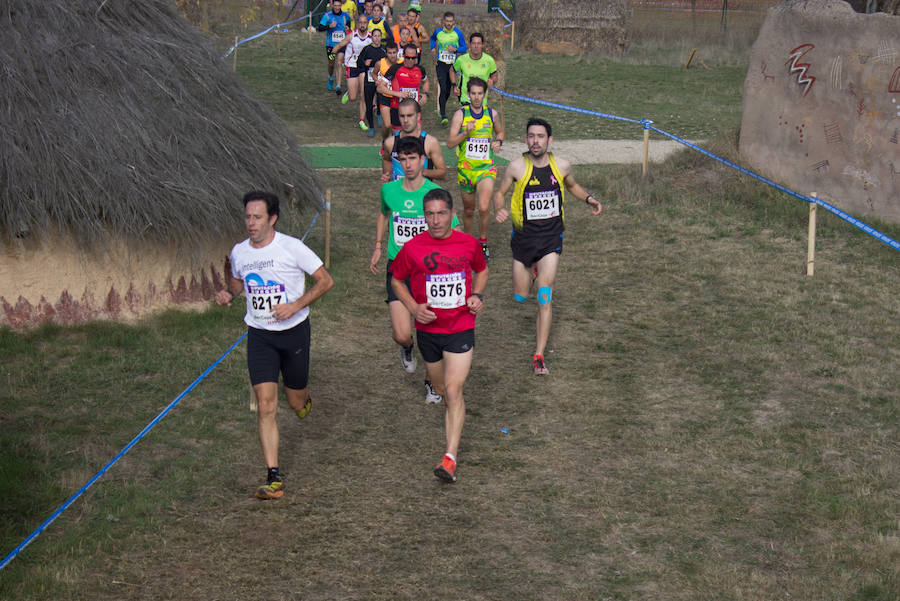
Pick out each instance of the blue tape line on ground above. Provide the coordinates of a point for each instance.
(565, 107)
(830, 208)
(134, 441)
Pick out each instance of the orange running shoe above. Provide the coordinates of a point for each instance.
(446, 470)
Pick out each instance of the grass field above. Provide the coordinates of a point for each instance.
(716, 424)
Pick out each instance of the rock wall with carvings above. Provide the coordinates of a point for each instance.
(821, 110)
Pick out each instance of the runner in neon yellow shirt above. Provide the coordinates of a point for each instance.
(474, 63)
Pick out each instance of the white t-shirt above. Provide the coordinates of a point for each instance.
(273, 274)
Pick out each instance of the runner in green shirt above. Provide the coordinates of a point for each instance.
(401, 211)
(475, 63)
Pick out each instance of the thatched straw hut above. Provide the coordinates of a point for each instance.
(127, 145)
(572, 26)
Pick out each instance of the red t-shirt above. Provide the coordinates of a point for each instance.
(404, 79)
(440, 273)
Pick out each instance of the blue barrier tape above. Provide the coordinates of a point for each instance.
(647, 124)
(810, 199)
(309, 229)
(264, 32)
(565, 107)
(134, 441)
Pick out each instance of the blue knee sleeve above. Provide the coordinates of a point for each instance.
(519, 298)
(544, 295)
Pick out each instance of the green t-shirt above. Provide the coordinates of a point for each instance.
(406, 217)
(469, 68)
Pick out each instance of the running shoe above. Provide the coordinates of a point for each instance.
(345, 98)
(408, 359)
(487, 252)
(445, 122)
(337, 90)
(271, 490)
(330, 83)
(540, 368)
(306, 408)
(371, 132)
(446, 470)
(431, 397)
(362, 125)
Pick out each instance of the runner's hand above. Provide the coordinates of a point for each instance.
(283, 311)
(373, 262)
(424, 314)
(224, 297)
(501, 215)
(475, 304)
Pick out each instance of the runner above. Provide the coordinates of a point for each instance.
(377, 22)
(538, 218)
(407, 80)
(369, 58)
(336, 24)
(271, 268)
(447, 277)
(419, 33)
(410, 115)
(352, 46)
(401, 210)
(478, 134)
(446, 43)
(475, 63)
(383, 101)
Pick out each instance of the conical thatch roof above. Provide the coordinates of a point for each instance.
(118, 115)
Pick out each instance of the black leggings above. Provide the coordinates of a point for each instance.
(369, 99)
(443, 76)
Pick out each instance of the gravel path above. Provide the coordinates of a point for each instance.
(594, 152)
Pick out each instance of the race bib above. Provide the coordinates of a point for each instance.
(445, 56)
(446, 290)
(407, 227)
(338, 36)
(262, 300)
(478, 149)
(370, 75)
(415, 93)
(541, 205)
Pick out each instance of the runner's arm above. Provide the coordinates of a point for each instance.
(438, 170)
(456, 136)
(479, 283)
(232, 290)
(510, 176)
(380, 227)
(421, 312)
(323, 284)
(499, 134)
(387, 166)
(576, 189)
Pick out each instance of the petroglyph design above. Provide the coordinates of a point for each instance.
(894, 84)
(766, 76)
(897, 105)
(865, 139)
(836, 66)
(820, 166)
(886, 53)
(860, 108)
(862, 175)
(896, 137)
(801, 69)
(833, 133)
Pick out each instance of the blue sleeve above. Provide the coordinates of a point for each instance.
(462, 41)
(434, 38)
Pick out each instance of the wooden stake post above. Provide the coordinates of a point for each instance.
(645, 167)
(811, 239)
(328, 228)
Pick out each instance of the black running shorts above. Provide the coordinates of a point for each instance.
(528, 249)
(270, 352)
(391, 297)
(433, 345)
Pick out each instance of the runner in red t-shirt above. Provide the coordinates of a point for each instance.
(447, 276)
(404, 80)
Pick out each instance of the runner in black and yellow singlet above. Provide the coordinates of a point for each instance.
(537, 209)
